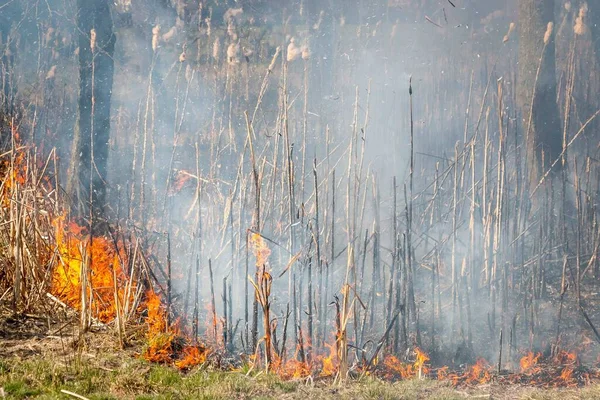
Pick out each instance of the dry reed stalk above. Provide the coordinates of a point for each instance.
(212, 301)
(195, 317)
(263, 293)
(255, 220)
(317, 240)
(454, 230)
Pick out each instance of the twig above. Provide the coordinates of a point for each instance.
(74, 394)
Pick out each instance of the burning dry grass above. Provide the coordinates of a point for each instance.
(106, 278)
(75, 247)
(100, 275)
(121, 376)
(165, 342)
(48, 255)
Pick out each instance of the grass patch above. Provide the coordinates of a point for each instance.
(132, 378)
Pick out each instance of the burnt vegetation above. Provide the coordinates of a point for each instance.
(317, 189)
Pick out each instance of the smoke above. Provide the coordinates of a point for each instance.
(200, 105)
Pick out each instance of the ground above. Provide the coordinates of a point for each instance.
(44, 366)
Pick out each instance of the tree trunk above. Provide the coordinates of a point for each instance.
(536, 90)
(89, 157)
(11, 12)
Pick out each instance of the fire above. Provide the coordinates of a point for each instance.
(565, 358)
(160, 337)
(166, 344)
(157, 316)
(192, 356)
(291, 369)
(103, 260)
(479, 373)
(19, 171)
(442, 373)
(396, 367)
(259, 248)
(330, 363)
(422, 358)
(529, 363)
(180, 180)
(566, 375)
(214, 329)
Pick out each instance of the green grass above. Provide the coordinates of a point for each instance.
(132, 378)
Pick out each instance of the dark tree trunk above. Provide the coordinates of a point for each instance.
(11, 12)
(537, 87)
(87, 175)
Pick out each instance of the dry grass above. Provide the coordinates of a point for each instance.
(40, 367)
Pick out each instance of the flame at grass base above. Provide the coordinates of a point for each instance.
(105, 262)
(166, 344)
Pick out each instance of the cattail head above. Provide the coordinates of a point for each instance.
(51, 73)
(216, 49)
(231, 31)
(394, 30)
(293, 51)
(568, 6)
(548, 33)
(580, 26)
(274, 59)
(511, 28)
(233, 54)
(170, 34)
(179, 6)
(305, 52)
(232, 14)
(247, 52)
(155, 37)
(93, 40)
(48, 36)
(208, 26)
(377, 25)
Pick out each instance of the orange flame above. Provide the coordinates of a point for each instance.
(291, 369)
(330, 363)
(565, 358)
(407, 370)
(259, 248)
(192, 356)
(105, 263)
(529, 362)
(180, 180)
(160, 336)
(479, 373)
